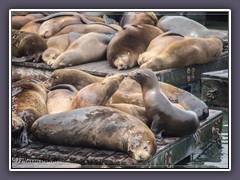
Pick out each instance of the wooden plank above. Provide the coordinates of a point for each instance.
(80, 155)
(23, 163)
(98, 157)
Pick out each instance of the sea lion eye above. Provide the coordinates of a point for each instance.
(138, 74)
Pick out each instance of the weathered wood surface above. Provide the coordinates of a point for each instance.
(177, 76)
(169, 152)
(215, 88)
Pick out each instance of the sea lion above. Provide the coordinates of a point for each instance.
(139, 18)
(134, 110)
(189, 27)
(33, 26)
(166, 117)
(158, 44)
(93, 27)
(54, 25)
(17, 124)
(60, 98)
(79, 79)
(19, 21)
(27, 45)
(81, 50)
(126, 45)
(186, 52)
(100, 127)
(57, 45)
(97, 93)
(29, 101)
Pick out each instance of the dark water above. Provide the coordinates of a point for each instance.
(212, 156)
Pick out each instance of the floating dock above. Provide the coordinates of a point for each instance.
(177, 76)
(169, 152)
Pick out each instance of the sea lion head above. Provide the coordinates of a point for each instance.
(112, 82)
(50, 55)
(46, 30)
(143, 58)
(141, 148)
(143, 76)
(122, 61)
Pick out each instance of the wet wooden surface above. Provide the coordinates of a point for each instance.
(169, 152)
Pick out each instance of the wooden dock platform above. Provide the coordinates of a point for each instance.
(169, 152)
(176, 76)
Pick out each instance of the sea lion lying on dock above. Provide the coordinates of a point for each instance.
(97, 93)
(188, 27)
(100, 127)
(186, 52)
(28, 46)
(60, 98)
(125, 47)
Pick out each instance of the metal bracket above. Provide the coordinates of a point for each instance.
(212, 93)
(197, 137)
(190, 74)
(168, 159)
(216, 132)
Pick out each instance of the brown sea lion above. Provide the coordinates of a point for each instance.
(134, 110)
(93, 27)
(165, 116)
(29, 101)
(19, 21)
(186, 52)
(17, 124)
(57, 45)
(126, 45)
(189, 27)
(139, 18)
(81, 50)
(97, 126)
(60, 98)
(79, 79)
(97, 93)
(158, 44)
(30, 46)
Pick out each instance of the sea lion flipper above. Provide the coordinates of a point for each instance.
(109, 20)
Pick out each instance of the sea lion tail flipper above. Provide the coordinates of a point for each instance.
(21, 59)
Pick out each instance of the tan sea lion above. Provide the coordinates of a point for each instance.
(97, 93)
(33, 26)
(100, 127)
(165, 116)
(57, 45)
(81, 50)
(186, 52)
(134, 110)
(126, 45)
(29, 101)
(139, 18)
(60, 98)
(93, 27)
(19, 21)
(30, 46)
(79, 79)
(188, 27)
(54, 25)
(158, 44)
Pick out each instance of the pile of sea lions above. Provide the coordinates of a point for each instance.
(129, 114)
(135, 39)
